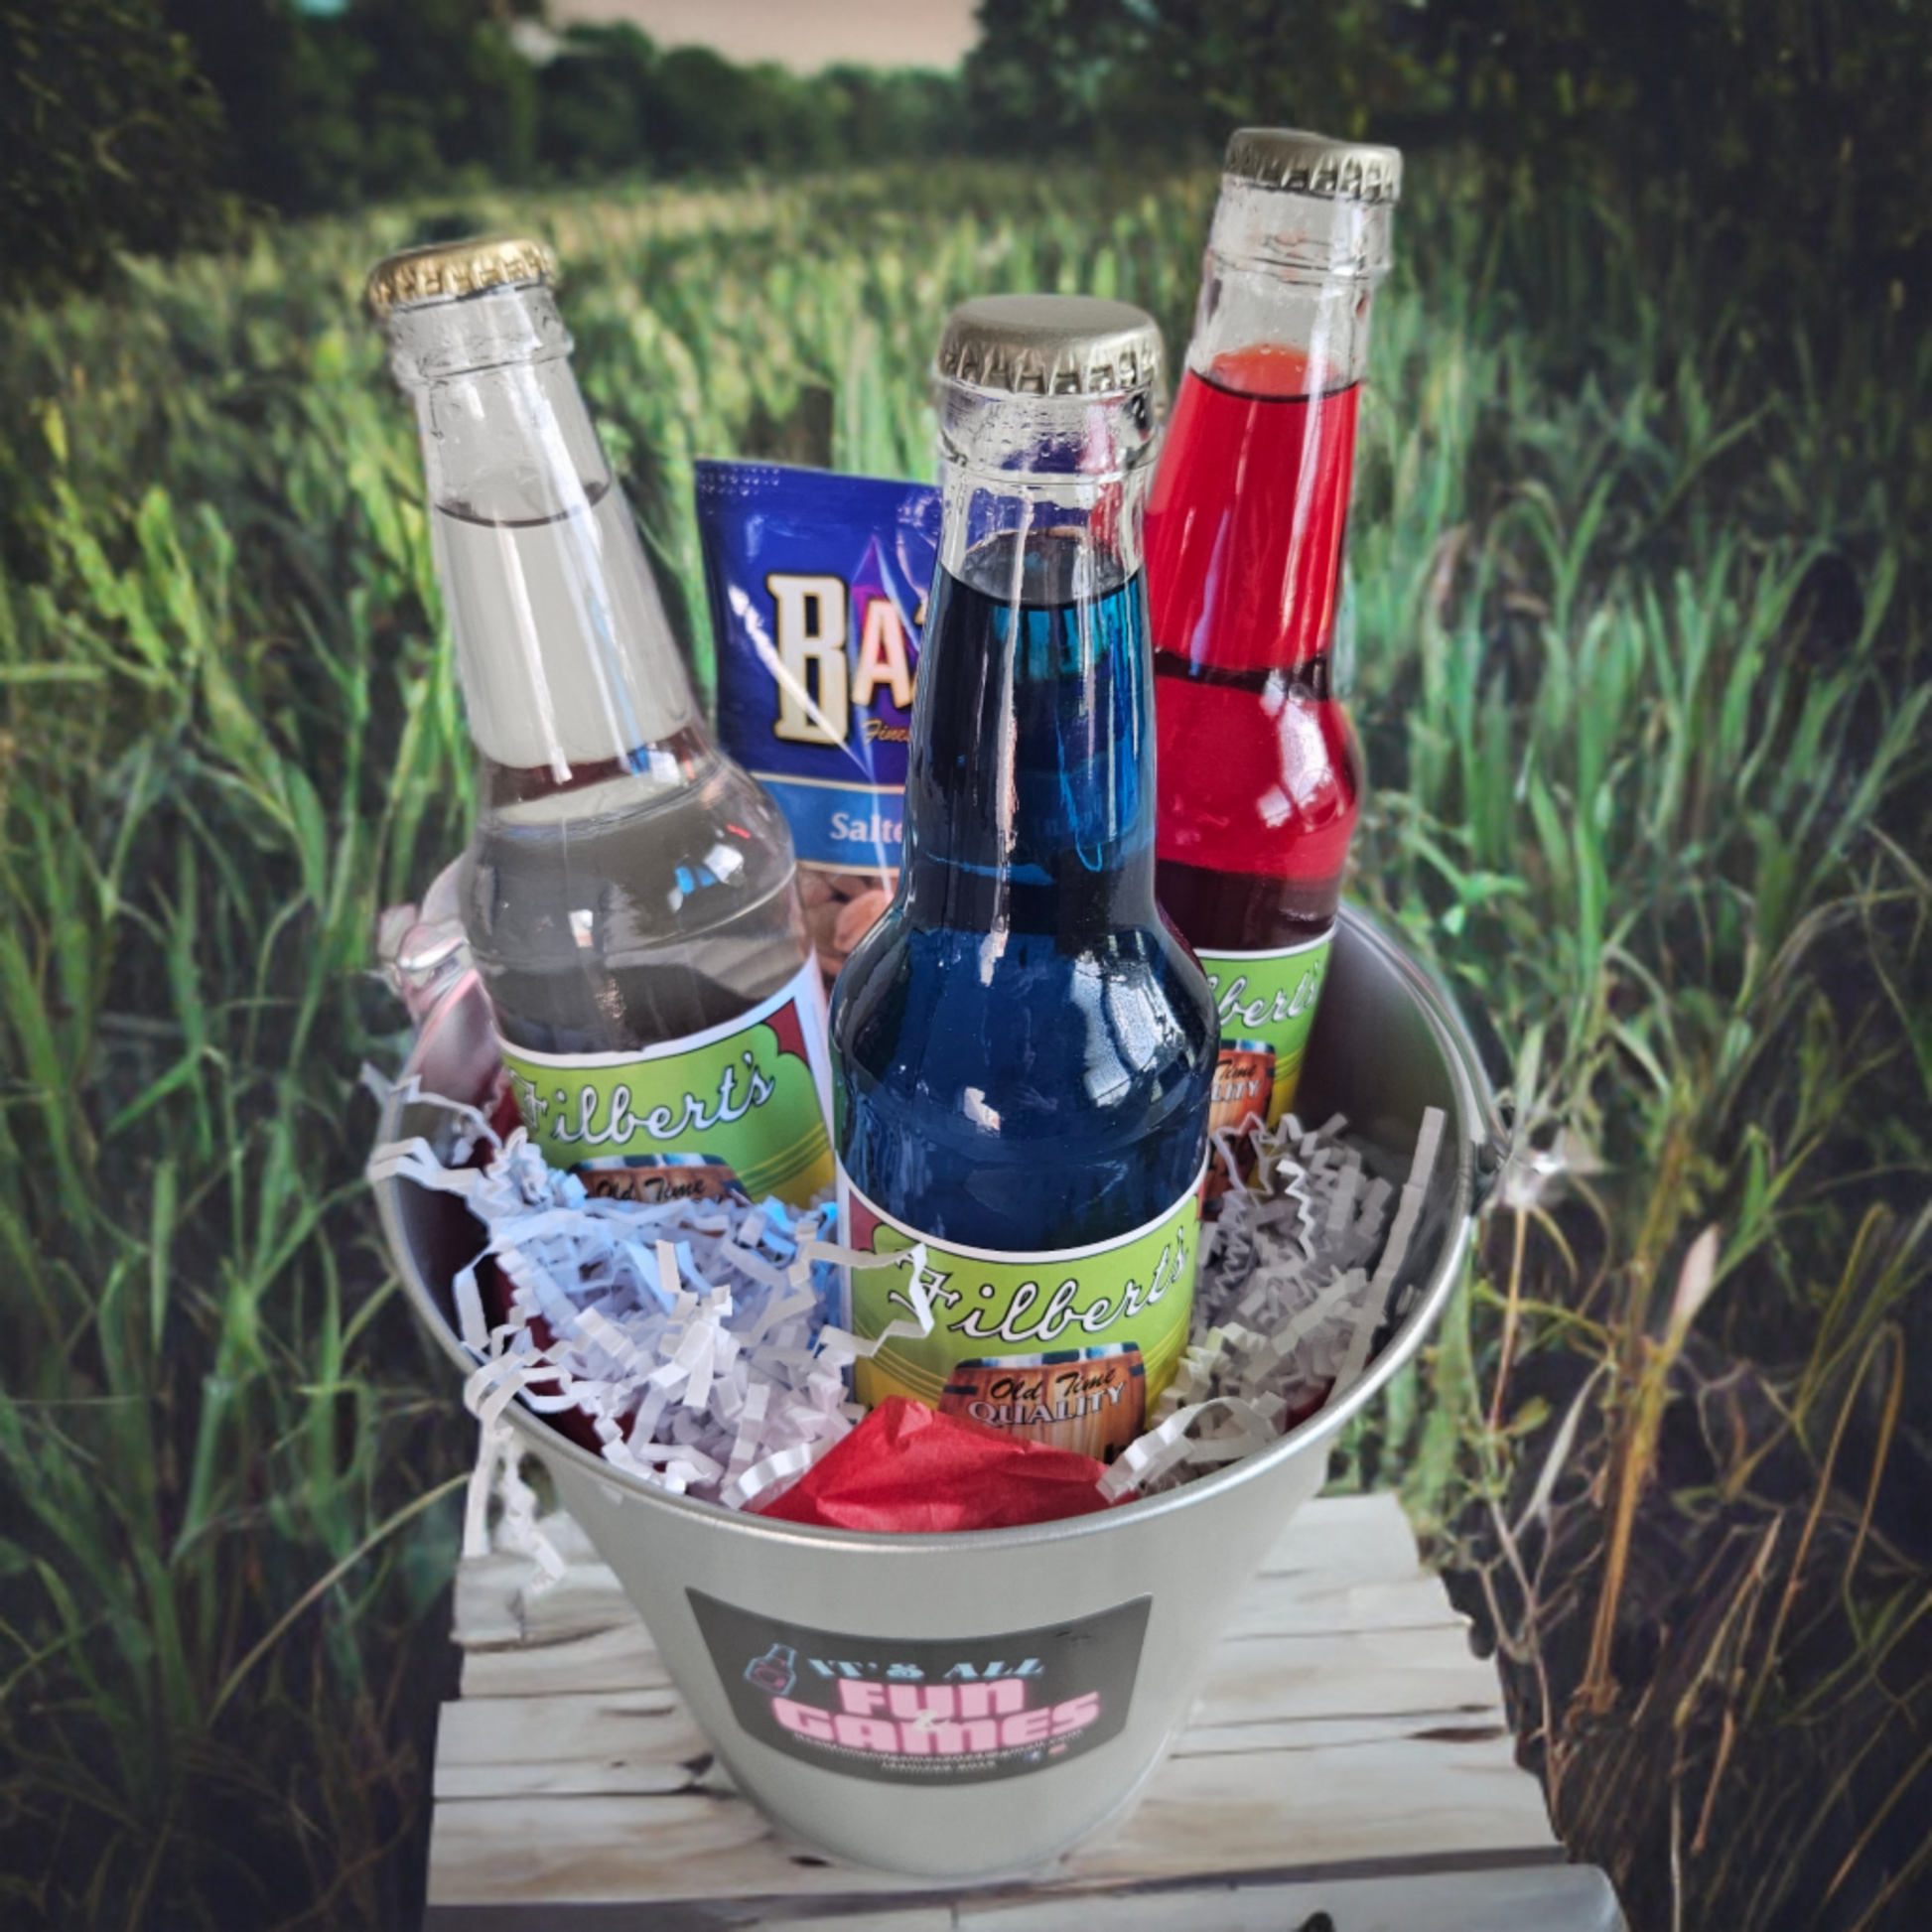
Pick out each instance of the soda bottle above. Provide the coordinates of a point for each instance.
(1022, 1048)
(628, 891)
(1260, 769)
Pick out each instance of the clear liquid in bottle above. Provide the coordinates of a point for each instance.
(629, 892)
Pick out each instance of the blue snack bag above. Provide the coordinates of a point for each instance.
(817, 585)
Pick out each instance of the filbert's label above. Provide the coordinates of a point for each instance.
(1068, 1347)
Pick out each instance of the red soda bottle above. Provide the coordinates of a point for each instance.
(1259, 768)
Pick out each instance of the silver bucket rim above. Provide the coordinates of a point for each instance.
(1482, 1147)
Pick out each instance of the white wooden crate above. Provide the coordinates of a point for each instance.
(1347, 1756)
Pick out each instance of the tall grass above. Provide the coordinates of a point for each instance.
(1656, 794)
(225, 726)
(1641, 681)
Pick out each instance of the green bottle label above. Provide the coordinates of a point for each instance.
(744, 1104)
(1068, 1346)
(1267, 1002)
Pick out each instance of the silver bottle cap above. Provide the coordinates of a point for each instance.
(1313, 164)
(1051, 345)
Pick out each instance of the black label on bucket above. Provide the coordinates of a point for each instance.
(947, 1711)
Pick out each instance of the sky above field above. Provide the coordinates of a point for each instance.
(804, 35)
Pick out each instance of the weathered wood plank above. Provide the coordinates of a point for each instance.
(1292, 1604)
(1262, 1812)
(1389, 1799)
(1344, 1673)
(622, 1777)
(501, 1613)
(621, 1658)
(534, 1848)
(604, 1741)
(489, 1589)
(1558, 1899)
(1463, 1727)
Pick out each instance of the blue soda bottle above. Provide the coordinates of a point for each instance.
(1025, 1050)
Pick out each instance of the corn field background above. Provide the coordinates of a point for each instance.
(1639, 628)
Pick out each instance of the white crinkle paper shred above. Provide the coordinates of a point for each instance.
(1297, 1278)
(694, 1335)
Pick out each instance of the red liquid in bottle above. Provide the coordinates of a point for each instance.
(1259, 770)
(1245, 524)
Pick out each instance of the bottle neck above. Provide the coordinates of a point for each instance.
(570, 671)
(1030, 786)
(1288, 291)
(1024, 464)
(1249, 512)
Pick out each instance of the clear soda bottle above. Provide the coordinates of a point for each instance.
(628, 891)
(1023, 1050)
(1260, 769)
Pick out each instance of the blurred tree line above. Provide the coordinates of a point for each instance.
(150, 125)
(1792, 131)
(375, 99)
(1794, 128)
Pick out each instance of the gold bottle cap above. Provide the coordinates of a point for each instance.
(446, 269)
(1313, 164)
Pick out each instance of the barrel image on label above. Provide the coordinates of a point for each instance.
(1068, 1347)
(656, 1179)
(1244, 1083)
(1089, 1400)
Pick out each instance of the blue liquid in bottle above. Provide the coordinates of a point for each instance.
(1024, 1048)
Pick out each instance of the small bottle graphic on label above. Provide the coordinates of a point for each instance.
(627, 891)
(1024, 1048)
(1260, 769)
(777, 1671)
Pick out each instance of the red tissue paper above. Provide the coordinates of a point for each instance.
(908, 1468)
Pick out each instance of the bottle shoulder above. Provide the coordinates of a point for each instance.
(1019, 1097)
(628, 877)
(1050, 1030)
(709, 816)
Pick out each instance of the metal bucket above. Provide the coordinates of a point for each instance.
(966, 1706)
